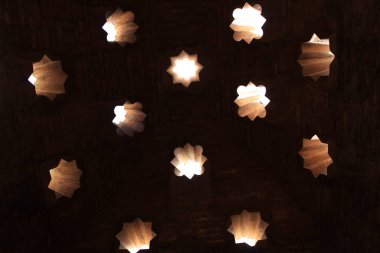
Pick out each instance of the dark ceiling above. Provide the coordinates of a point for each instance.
(251, 165)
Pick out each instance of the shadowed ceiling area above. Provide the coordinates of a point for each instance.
(250, 165)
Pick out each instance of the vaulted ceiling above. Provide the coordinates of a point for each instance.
(251, 165)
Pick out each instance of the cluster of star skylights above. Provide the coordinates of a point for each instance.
(48, 79)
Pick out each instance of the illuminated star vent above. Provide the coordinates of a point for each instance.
(65, 179)
(48, 78)
(185, 68)
(252, 101)
(188, 161)
(316, 156)
(136, 236)
(120, 27)
(248, 228)
(247, 23)
(316, 57)
(129, 118)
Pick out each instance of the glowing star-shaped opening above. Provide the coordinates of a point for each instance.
(48, 78)
(120, 27)
(185, 68)
(248, 22)
(188, 161)
(248, 228)
(65, 179)
(129, 118)
(252, 101)
(316, 156)
(136, 236)
(316, 57)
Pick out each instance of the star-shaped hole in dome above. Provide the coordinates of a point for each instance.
(316, 156)
(188, 161)
(48, 78)
(185, 68)
(248, 22)
(65, 179)
(120, 27)
(129, 118)
(248, 227)
(252, 101)
(136, 236)
(316, 57)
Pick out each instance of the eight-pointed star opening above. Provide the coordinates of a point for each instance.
(48, 78)
(65, 179)
(185, 68)
(136, 236)
(120, 27)
(248, 22)
(316, 156)
(316, 57)
(188, 161)
(248, 227)
(252, 101)
(129, 118)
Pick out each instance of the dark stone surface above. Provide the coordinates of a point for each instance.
(251, 165)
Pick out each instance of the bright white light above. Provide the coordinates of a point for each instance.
(250, 241)
(135, 250)
(190, 169)
(111, 37)
(253, 91)
(263, 99)
(249, 17)
(32, 79)
(185, 68)
(120, 113)
(315, 137)
(111, 31)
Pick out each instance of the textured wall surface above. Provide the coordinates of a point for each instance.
(251, 165)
